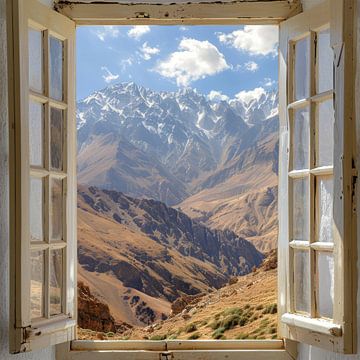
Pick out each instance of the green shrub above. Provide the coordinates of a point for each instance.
(190, 328)
(158, 337)
(270, 309)
(230, 322)
(218, 333)
(194, 336)
(110, 334)
(242, 336)
(232, 311)
(215, 324)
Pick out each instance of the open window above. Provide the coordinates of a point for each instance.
(43, 177)
(316, 182)
(315, 211)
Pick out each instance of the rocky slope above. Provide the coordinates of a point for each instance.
(140, 255)
(243, 309)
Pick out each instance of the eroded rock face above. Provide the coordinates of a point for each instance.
(92, 313)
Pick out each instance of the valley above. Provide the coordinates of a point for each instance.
(177, 196)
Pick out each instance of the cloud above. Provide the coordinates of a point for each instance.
(147, 51)
(217, 96)
(109, 76)
(138, 31)
(183, 28)
(106, 32)
(194, 60)
(246, 96)
(251, 66)
(268, 82)
(125, 63)
(254, 39)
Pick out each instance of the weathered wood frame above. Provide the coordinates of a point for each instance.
(218, 13)
(337, 336)
(26, 333)
(215, 13)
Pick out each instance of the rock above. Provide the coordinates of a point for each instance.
(92, 313)
(233, 280)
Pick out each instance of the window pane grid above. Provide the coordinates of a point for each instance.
(48, 292)
(310, 157)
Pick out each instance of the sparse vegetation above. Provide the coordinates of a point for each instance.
(194, 336)
(158, 337)
(270, 309)
(190, 328)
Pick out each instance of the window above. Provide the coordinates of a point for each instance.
(311, 166)
(43, 192)
(43, 225)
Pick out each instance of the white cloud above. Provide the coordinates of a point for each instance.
(247, 96)
(251, 66)
(268, 82)
(183, 28)
(124, 63)
(138, 31)
(109, 76)
(147, 51)
(254, 39)
(107, 31)
(194, 60)
(217, 96)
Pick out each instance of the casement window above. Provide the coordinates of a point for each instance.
(44, 193)
(316, 176)
(316, 220)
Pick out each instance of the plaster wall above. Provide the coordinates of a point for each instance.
(48, 353)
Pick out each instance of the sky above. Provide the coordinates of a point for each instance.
(219, 61)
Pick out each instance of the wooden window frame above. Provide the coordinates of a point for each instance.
(27, 334)
(338, 335)
(261, 12)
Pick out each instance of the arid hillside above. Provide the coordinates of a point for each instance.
(244, 309)
(139, 255)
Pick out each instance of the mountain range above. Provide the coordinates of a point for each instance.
(177, 194)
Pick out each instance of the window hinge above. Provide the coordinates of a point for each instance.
(167, 355)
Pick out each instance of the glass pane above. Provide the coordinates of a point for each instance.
(56, 139)
(302, 281)
(36, 209)
(35, 60)
(325, 133)
(56, 280)
(325, 58)
(302, 68)
(37, 284)
(56, 68)
(36, 129)
(301, 139)
(324, 208)
(325, 270)
(300, 217)
(56, 209)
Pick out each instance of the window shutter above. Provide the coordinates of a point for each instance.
(43, 175)
(316, 219)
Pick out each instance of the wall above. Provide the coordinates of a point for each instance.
(49, 353)
(309, 352)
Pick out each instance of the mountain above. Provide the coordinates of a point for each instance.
(184, 134)
(140, 255)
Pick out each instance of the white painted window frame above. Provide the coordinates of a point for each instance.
(337, 335)
(261, 12)
(27, 334)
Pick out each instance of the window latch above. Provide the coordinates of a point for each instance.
(168, 355)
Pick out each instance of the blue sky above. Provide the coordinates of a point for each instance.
(223, 61)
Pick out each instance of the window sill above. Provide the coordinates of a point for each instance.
(174, 350)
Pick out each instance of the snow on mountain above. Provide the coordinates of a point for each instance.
(185, 132)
